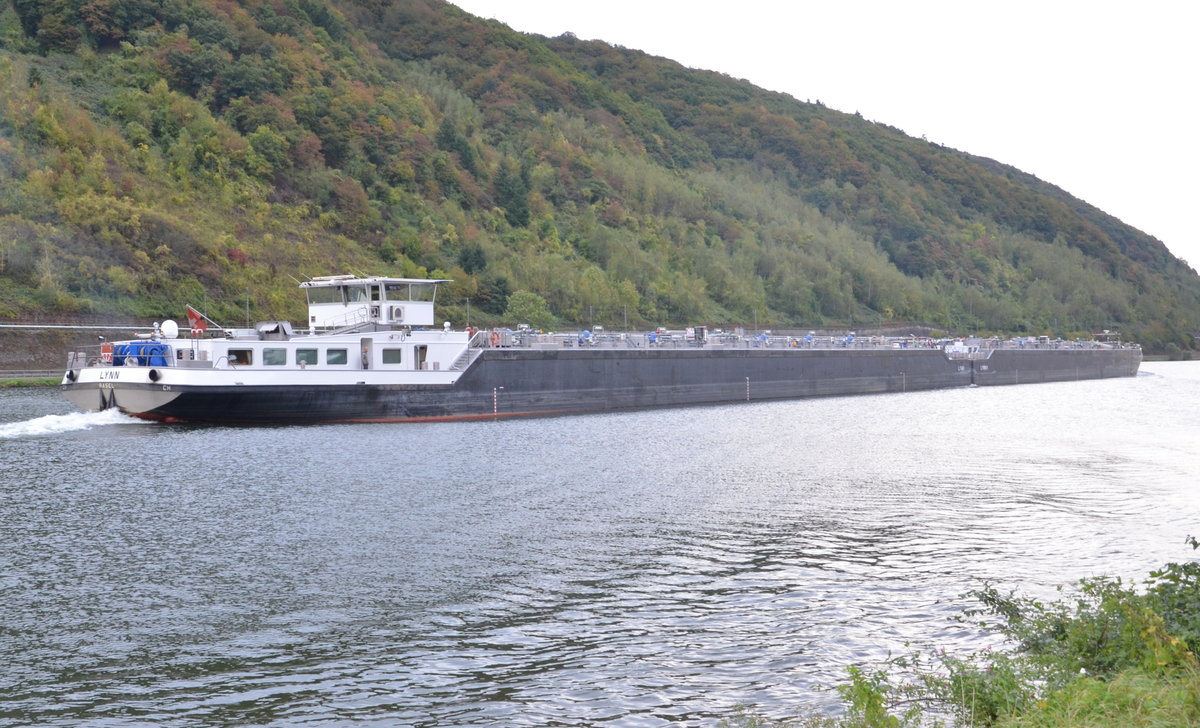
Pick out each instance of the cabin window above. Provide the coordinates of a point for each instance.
(335, 356)
(304, 357)
(410, 291)
(391, 356)
(325, 295)
(356, 294)
(241, 357)
(274, 357)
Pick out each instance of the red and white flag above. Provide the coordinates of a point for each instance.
(196, 322)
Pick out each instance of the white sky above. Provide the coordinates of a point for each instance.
(1099, 98)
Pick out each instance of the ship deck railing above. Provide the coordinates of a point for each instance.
(954, 348)
(528, 340)
(91, 355)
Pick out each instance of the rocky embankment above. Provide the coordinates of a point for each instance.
(46, 349)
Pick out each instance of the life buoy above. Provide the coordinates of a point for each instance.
(106, 352)
(495, 338)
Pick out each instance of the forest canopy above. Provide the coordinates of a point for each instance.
(158, 153)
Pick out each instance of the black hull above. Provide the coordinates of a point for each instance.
(519, 382)
(1033, 366)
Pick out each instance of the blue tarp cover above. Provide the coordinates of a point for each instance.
(148, 354)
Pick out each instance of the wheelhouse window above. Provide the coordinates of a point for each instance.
(410, 291)
(325, 294)
(391, 356)
(335, 356)
(241, 357)
(274, 357)
(304, 357)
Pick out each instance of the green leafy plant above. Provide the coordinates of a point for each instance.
(1174, 593)
(870, 704)
(1105, 655)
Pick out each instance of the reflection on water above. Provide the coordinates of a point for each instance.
(634, 568)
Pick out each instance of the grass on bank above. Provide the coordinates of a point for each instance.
(1106, 655)
(1130, 699)
(33, 382)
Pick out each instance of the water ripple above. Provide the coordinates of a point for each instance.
(640, 569)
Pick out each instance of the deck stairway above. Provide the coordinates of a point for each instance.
(465, 359)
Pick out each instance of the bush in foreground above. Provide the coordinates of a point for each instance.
(1106, 656)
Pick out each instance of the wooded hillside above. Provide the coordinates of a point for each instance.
(155, 153)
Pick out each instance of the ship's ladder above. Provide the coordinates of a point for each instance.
(465, 359)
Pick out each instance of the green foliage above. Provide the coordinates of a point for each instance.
(1174, 594)
(1107, 627)
(620, 187)
(525, 307)
(512, 192)
(1131, 699)
(866, 699)
(1107, 656)
(35, 382)
(472, 258)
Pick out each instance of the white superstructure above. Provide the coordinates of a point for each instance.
(338, 302)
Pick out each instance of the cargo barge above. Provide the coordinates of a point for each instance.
(370, 353)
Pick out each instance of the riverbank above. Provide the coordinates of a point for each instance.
(14, 382)
(1109, 655)
(44, 350)
(30, 376)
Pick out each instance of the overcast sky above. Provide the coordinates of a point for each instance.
(1099, 98)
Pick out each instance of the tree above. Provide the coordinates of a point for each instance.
(525, 307)
(493, 294)
(472, 258)
(271, 150)
(451, 139)
(512, 193)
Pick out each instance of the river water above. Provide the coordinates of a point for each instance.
(628, 569)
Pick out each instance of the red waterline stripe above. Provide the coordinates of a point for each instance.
(381, 420)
